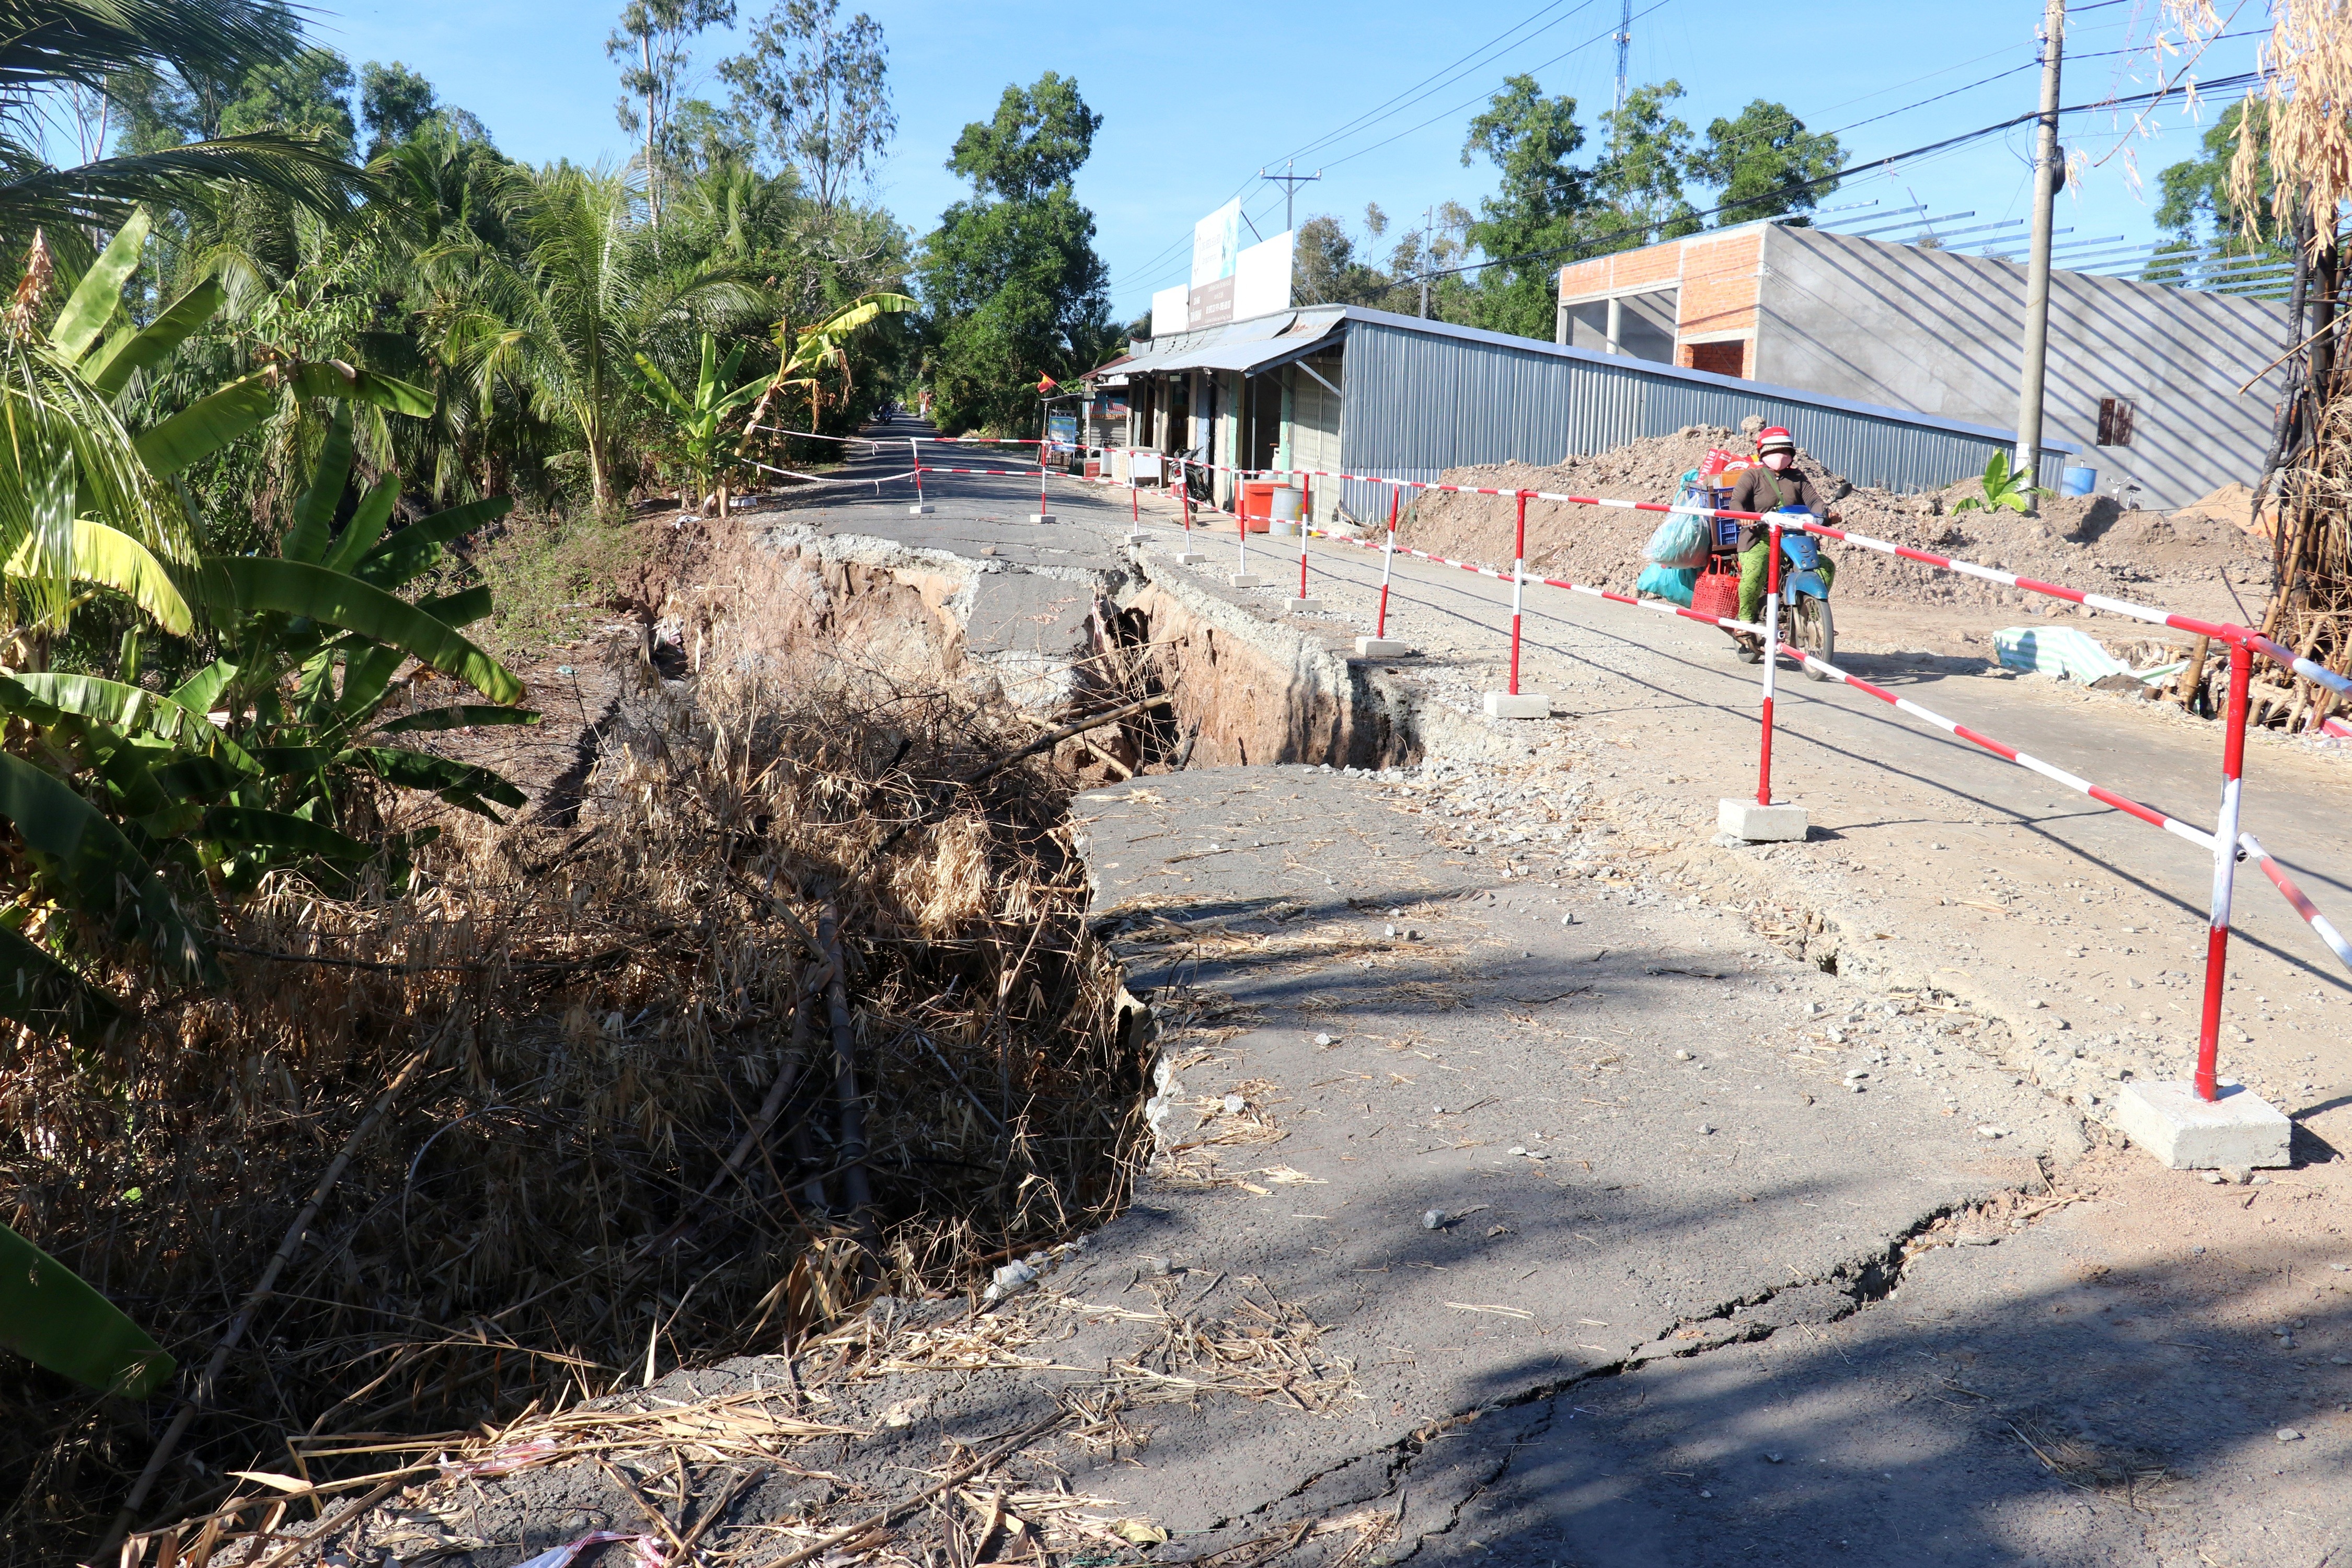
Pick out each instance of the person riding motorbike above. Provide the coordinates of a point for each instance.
(1773, 482)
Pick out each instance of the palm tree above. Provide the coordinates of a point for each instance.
(46, 45)
(591, 293)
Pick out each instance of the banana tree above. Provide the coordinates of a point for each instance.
(83, 502)
(804, 358)
(707, 446)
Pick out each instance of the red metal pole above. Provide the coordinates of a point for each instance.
(1771, 658)
(1305, 513)
(1134, 511)
(1518, 586)
(917, 454)
(1381, 623)
(1184, 482)
(2225, 865)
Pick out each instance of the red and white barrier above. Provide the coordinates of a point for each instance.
(2294, 897)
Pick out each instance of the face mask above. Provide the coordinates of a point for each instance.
(1778, 462)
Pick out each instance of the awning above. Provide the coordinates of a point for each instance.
(1252, 358)
(1248, 347)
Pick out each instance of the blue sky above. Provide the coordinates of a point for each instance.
(1192, 108)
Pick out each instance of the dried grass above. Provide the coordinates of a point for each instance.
(549, 1211)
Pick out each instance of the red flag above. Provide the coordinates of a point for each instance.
(1046, 383)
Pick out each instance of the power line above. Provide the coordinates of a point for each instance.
(2244, 78)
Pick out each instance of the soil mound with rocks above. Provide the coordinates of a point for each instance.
(2084, 542)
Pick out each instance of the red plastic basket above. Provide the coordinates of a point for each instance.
(1717, 592)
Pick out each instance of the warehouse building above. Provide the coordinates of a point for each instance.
(1344, 388)
(2144, 379)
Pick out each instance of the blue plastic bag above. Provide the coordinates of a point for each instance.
(1672, 583)
(1681, 542)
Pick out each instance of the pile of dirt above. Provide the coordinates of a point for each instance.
(2087, 542)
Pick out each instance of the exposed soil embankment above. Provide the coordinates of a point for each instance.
(2088, 543)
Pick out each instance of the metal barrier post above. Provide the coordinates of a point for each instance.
(1377, 644)
(1304, 605)
(2225, 866)
(922, 506)
(1771, 658)
(1243, 577)
(1387, 559)
(1514, 703)
(1043, 513)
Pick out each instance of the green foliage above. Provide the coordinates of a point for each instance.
(1632, 192)
(1013, 285)
(2003, 490)
(548, 576)
(2202, 211)
(817, 90)
(1763, 164)
(699, 435)
(396, 103)
(51, 1318)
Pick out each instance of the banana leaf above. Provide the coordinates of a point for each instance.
(134, 349)
(247, 584)
(404, 554)
(204, 427)
(51, 1000)
(109, 556)
(314, 508)
(460, 610)
(201, 690)
(98, 295)
(42, 697)
(52, 1317)
(419, 770)
(94, 866)
(457, 718)
(251, 826)
(366, 526)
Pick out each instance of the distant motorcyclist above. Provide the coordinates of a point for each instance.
(1772, 482)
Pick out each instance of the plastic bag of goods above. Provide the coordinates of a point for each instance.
(1672, 583)
(1681, 541)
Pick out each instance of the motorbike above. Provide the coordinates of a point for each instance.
(1805, 619)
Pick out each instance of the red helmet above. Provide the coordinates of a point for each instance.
(1772, 438)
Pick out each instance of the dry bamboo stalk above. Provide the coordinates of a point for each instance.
(855, 1184)
(201, 1391)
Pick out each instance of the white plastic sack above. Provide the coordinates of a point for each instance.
(1681, 542)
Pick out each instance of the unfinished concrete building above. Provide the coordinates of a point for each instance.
(2143, 381)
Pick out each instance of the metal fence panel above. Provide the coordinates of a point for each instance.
(1415, 404)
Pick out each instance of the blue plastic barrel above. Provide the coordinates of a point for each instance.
(2078, 481)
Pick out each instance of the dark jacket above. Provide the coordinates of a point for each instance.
(1759, 489)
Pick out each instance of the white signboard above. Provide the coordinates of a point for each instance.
(1217, 242)
(1168, 310)
(1262, 279)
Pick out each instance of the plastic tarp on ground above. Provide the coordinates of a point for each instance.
(2057, 650)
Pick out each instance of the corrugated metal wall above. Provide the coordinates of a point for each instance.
(1417, 404)
(1316, 422)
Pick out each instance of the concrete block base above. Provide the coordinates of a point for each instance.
(1382, 648)
(1761, 824)
(1525, 705)
(1302, 606)
(1137, 536)
(1189, 558)
(1245, 580)
(921, 508)
(2188, 1133)
(1042, 517)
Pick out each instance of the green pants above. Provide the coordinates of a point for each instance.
(1752, 563)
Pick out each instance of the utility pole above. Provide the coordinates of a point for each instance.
(2047, 172)
(1428, 223)
(1290, 184)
